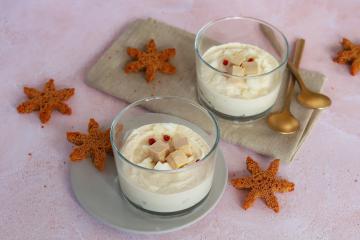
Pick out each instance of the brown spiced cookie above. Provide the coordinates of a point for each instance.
(46, 101)
(349, 55)
(95, 144)
(151, 61)
(263, 184)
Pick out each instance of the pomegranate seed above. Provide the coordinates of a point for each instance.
(225, 62)
(250, 59)
(166, 138)
(152, 141)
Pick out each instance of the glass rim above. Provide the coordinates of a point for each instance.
(147, 99)
(213, 22)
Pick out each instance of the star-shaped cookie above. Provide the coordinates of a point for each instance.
(350, 54)
(47, 101)
(262, 184)
(95, 144)
(151, 60)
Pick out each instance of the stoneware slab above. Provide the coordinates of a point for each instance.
(100, 195)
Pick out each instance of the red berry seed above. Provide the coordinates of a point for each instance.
(225, 62)
(251, 59)
(166, 138)
(151, 141)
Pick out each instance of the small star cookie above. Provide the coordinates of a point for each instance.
(95, 144)
(262, 184)
(350, 54)
(151, 60)
(47, 101)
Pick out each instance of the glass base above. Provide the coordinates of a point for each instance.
(239, 119)
(165, 214)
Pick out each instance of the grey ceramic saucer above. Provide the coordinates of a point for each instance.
(100, 195)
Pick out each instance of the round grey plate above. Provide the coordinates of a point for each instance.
(100, 195)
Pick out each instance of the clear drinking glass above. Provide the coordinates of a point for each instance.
(222, 87)
(165, 191)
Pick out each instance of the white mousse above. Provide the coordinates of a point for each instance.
(156, 188)
(245, 88)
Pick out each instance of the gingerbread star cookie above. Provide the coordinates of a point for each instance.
(350, 54)
(95, 144)
(151, 61)
(262, 184)
(46, 101)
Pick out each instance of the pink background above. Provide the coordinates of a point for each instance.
(62, 39)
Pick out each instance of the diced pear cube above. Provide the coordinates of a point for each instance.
(159, 150)
(251, 68)
(236, 58)
(181, 143)
(162, 166)
(177, 159)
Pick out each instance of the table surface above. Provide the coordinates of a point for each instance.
(62, 39)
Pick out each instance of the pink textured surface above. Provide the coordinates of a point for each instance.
(62, 39)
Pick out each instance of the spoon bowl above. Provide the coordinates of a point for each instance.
(283, 122)
(313, 100)
(306, 97)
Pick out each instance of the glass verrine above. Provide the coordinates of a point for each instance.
(170, 191)
(239, 64)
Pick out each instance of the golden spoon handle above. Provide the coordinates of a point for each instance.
(307, 98)
(298, 51)
(297, 75)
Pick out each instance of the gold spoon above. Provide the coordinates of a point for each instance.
(283, 121)
(306, 97)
